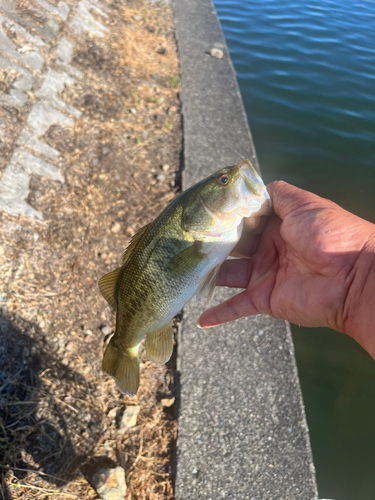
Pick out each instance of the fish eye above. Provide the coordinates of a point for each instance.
(223, 179)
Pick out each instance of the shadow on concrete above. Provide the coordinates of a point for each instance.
(33, 429)
(173, 412)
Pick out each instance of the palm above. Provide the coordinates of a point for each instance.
(292, 274)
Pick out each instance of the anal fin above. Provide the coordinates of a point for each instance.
(159, 344)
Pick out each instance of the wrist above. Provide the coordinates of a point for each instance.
(359, 308)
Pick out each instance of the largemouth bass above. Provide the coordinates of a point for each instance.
(173, 258)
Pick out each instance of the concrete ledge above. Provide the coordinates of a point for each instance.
(242, 427)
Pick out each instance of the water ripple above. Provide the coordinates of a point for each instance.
(306, 72)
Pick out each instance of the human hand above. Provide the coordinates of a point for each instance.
(313, 265)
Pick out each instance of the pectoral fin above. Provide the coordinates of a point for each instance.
(107, 286)
(186, 260)
(159, 345)
(209, 283)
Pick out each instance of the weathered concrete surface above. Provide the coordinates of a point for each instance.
(242, 428)
(36, 92)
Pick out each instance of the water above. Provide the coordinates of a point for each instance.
(306, 71)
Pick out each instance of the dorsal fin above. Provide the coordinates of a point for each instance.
(133, 242)
(107, 285)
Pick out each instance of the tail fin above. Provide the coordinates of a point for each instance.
(124, 366)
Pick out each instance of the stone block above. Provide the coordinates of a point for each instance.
(40, 119)
(64, 56)
(54, 84)
(28, 53)
(20, 83)
(62, 10)
(14, 184)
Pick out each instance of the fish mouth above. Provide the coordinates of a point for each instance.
(252, 179)
(254, 192)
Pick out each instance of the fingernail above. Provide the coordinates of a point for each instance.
(199, 326)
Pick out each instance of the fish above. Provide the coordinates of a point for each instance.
(171, 259)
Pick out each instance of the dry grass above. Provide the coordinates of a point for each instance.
(58, 411)
(141, 48)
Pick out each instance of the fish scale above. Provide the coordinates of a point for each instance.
(171, 259)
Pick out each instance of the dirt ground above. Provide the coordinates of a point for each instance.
(59, 413)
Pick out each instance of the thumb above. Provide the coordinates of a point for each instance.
(287, 198)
